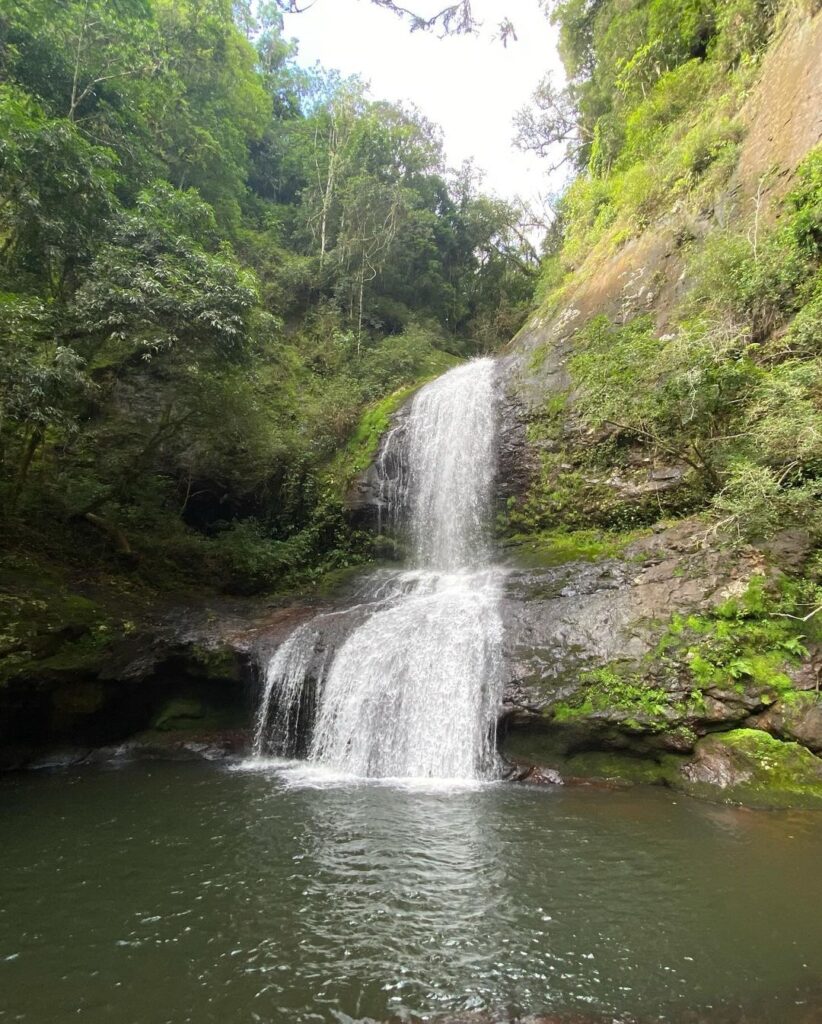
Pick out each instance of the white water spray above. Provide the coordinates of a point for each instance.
(413, 690)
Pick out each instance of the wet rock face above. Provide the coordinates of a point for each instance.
(517, 460)
(535, 387)
(365, 500)
(564, 622)
(561, 621)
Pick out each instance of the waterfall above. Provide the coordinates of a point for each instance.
(413, 689)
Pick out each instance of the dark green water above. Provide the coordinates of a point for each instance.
(195, 893)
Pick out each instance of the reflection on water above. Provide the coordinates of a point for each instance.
(414, 887)
(190, 894)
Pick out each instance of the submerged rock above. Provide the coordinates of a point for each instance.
(535, 775)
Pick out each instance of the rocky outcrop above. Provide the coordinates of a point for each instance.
(798, 718)
(748, 766)
(365, 498)
(183, 680)
(561, 620)
(588, 677)
(584, 674)
(783, 115)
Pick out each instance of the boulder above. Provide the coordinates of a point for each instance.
(799, 719)
(751, 767)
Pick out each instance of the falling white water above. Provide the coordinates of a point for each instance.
(413, 690)
(286, 676)
(438, 468)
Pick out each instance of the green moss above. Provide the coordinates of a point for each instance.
(337, 579)
(763, 771)
(622, 768)
(743, 646)
(546, 424)
(745, 642)
(360, 450)
(212, 662)
(537, 358)
(551, 749)
(47, 628)
(180, 713)
(567, 711)
(76, 657)
(573, 488)
(556, 547)
(613, 688)
(362, 447)
(753, 742)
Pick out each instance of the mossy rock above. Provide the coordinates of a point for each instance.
(748, 766)
(560, 547)
(555, 749)
(48, 631)
(75, 658)
(190, 714)
(217, 663)
(576, 750)
(338, 581)
(179, 714)
(798, 716)
(365, 441)
(623, 769)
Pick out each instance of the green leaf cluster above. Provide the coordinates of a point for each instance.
(212, 261)
(733, 391)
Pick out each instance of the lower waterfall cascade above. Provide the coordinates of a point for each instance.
(412, 691)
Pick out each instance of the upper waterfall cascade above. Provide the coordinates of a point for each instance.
(413, 689)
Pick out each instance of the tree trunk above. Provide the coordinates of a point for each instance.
(359, 318)
(22, 473)
(112, 531)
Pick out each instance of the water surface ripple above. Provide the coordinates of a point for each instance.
(189, 893)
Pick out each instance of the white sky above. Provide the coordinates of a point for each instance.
(469, 85)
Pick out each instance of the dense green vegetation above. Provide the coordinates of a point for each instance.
(746, 644)
(702, 397)
(220, 274)
(211, 263)
(728, 390)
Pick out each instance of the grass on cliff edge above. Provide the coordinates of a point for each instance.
(362, 447)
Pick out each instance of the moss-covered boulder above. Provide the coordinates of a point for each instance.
(531, 754)
(180, 713)
(751, 767)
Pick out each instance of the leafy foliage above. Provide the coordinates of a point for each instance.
(732, 391)
(211, 263)
(750, 639)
